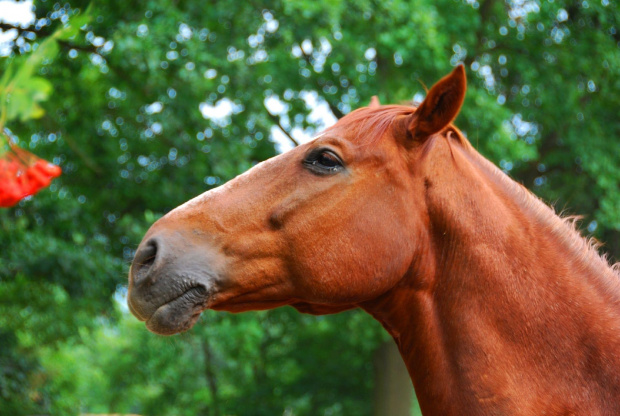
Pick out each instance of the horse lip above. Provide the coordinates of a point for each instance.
(134, 311)
(179, 313)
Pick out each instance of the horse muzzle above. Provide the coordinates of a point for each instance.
(171, 282)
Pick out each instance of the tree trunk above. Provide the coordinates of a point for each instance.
(393, 389)
(211, 379)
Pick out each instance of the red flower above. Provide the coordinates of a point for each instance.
(23, 174)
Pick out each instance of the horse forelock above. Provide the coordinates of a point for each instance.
(369, 124)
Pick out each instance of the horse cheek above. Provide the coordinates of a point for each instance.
(361, 261)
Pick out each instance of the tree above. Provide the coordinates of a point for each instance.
(125, 120)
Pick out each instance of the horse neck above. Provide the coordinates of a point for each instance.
(503, 292)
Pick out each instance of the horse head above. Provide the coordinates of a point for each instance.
(324, 227)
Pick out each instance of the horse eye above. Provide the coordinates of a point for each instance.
(328, 159)
(323, 161)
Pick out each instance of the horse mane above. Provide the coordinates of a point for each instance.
(564, 229)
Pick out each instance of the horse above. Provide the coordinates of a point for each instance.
(498, 306)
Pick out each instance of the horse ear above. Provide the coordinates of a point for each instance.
(374, 102)
(441, 105)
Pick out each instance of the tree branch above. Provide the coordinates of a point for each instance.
(89, 162)
(334, 109)
(43, 33)
(21, 30)
(85, 48)
(276, 120)
(8, 26)
(485, 10)
(337, 113)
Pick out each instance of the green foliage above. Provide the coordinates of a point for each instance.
(21, 91)
(260, 364)
(113, 96)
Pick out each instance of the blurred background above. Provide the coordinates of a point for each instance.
(145, 104)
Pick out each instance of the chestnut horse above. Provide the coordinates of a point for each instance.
(498, 306)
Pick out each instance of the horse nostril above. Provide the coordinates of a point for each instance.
(144, 260)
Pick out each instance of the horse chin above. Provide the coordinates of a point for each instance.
(179, 314)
